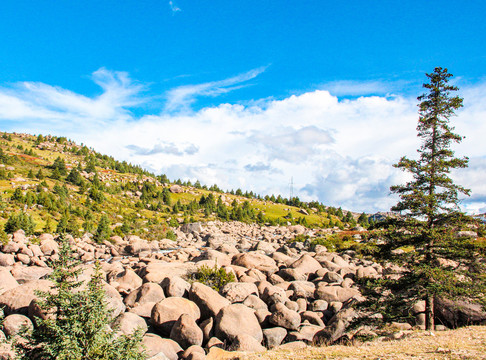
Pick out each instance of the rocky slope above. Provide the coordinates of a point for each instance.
(284, 296)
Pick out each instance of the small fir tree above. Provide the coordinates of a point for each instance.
(103, 231)
(78, 325)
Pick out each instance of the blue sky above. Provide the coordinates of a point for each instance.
(247, 93)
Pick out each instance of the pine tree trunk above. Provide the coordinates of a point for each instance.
(429, 313)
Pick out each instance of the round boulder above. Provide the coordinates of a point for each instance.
(186, 332)
(165, 313)
(237, 319)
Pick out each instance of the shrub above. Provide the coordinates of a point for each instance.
(3, 237)
(78, 328)
(213, 277)
(170, 235)
(299, 238)
(20, 221)
(103, 231)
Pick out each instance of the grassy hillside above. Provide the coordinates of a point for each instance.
(59, 185)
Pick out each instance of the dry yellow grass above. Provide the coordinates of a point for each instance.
(464, 343)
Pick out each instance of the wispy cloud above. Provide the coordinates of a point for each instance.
(173, 7)
(30, 102)
(360, 88)
(181, 98)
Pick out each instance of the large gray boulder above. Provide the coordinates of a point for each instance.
(256, 260)
(157, 271)
(306, 264)
(238, 292)
(148, 292)
(335, 293)
(458, 313)
(166, 312)
(284, 317)
(128, 322)
(15, 323)
(24, 274)
(186, 332)
(155, 345)
(175, 286)
(7, 281)
(209, 301)
(274, 336)
(18, 299)
(237, 319)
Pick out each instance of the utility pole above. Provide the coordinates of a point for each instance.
(291, 188)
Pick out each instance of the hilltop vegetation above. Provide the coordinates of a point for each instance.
(51, 184)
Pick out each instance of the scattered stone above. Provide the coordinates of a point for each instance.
(274, 336)
(284, 317)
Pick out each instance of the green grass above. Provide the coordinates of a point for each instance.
(116, 203)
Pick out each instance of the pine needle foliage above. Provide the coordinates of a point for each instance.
(435, 261)
(77, 323)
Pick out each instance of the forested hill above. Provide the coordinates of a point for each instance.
(51, 184)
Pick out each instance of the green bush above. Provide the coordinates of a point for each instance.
(3, 237)
(214, 277)
(170, 235)
(20, 221)
(79, 326)
(103, 231)
(299, 238)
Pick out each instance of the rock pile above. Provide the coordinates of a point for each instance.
(284, 295)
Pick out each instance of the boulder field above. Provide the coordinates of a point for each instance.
(284, 295)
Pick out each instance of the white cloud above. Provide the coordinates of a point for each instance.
(45, 108)
(357, 88)
(339, 151)
(181, 98)
(173, 7)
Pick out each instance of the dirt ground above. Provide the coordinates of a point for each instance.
(463, 343)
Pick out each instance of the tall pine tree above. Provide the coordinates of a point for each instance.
(438, 262)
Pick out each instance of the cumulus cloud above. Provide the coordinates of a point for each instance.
(290, 144)
(337, 150)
